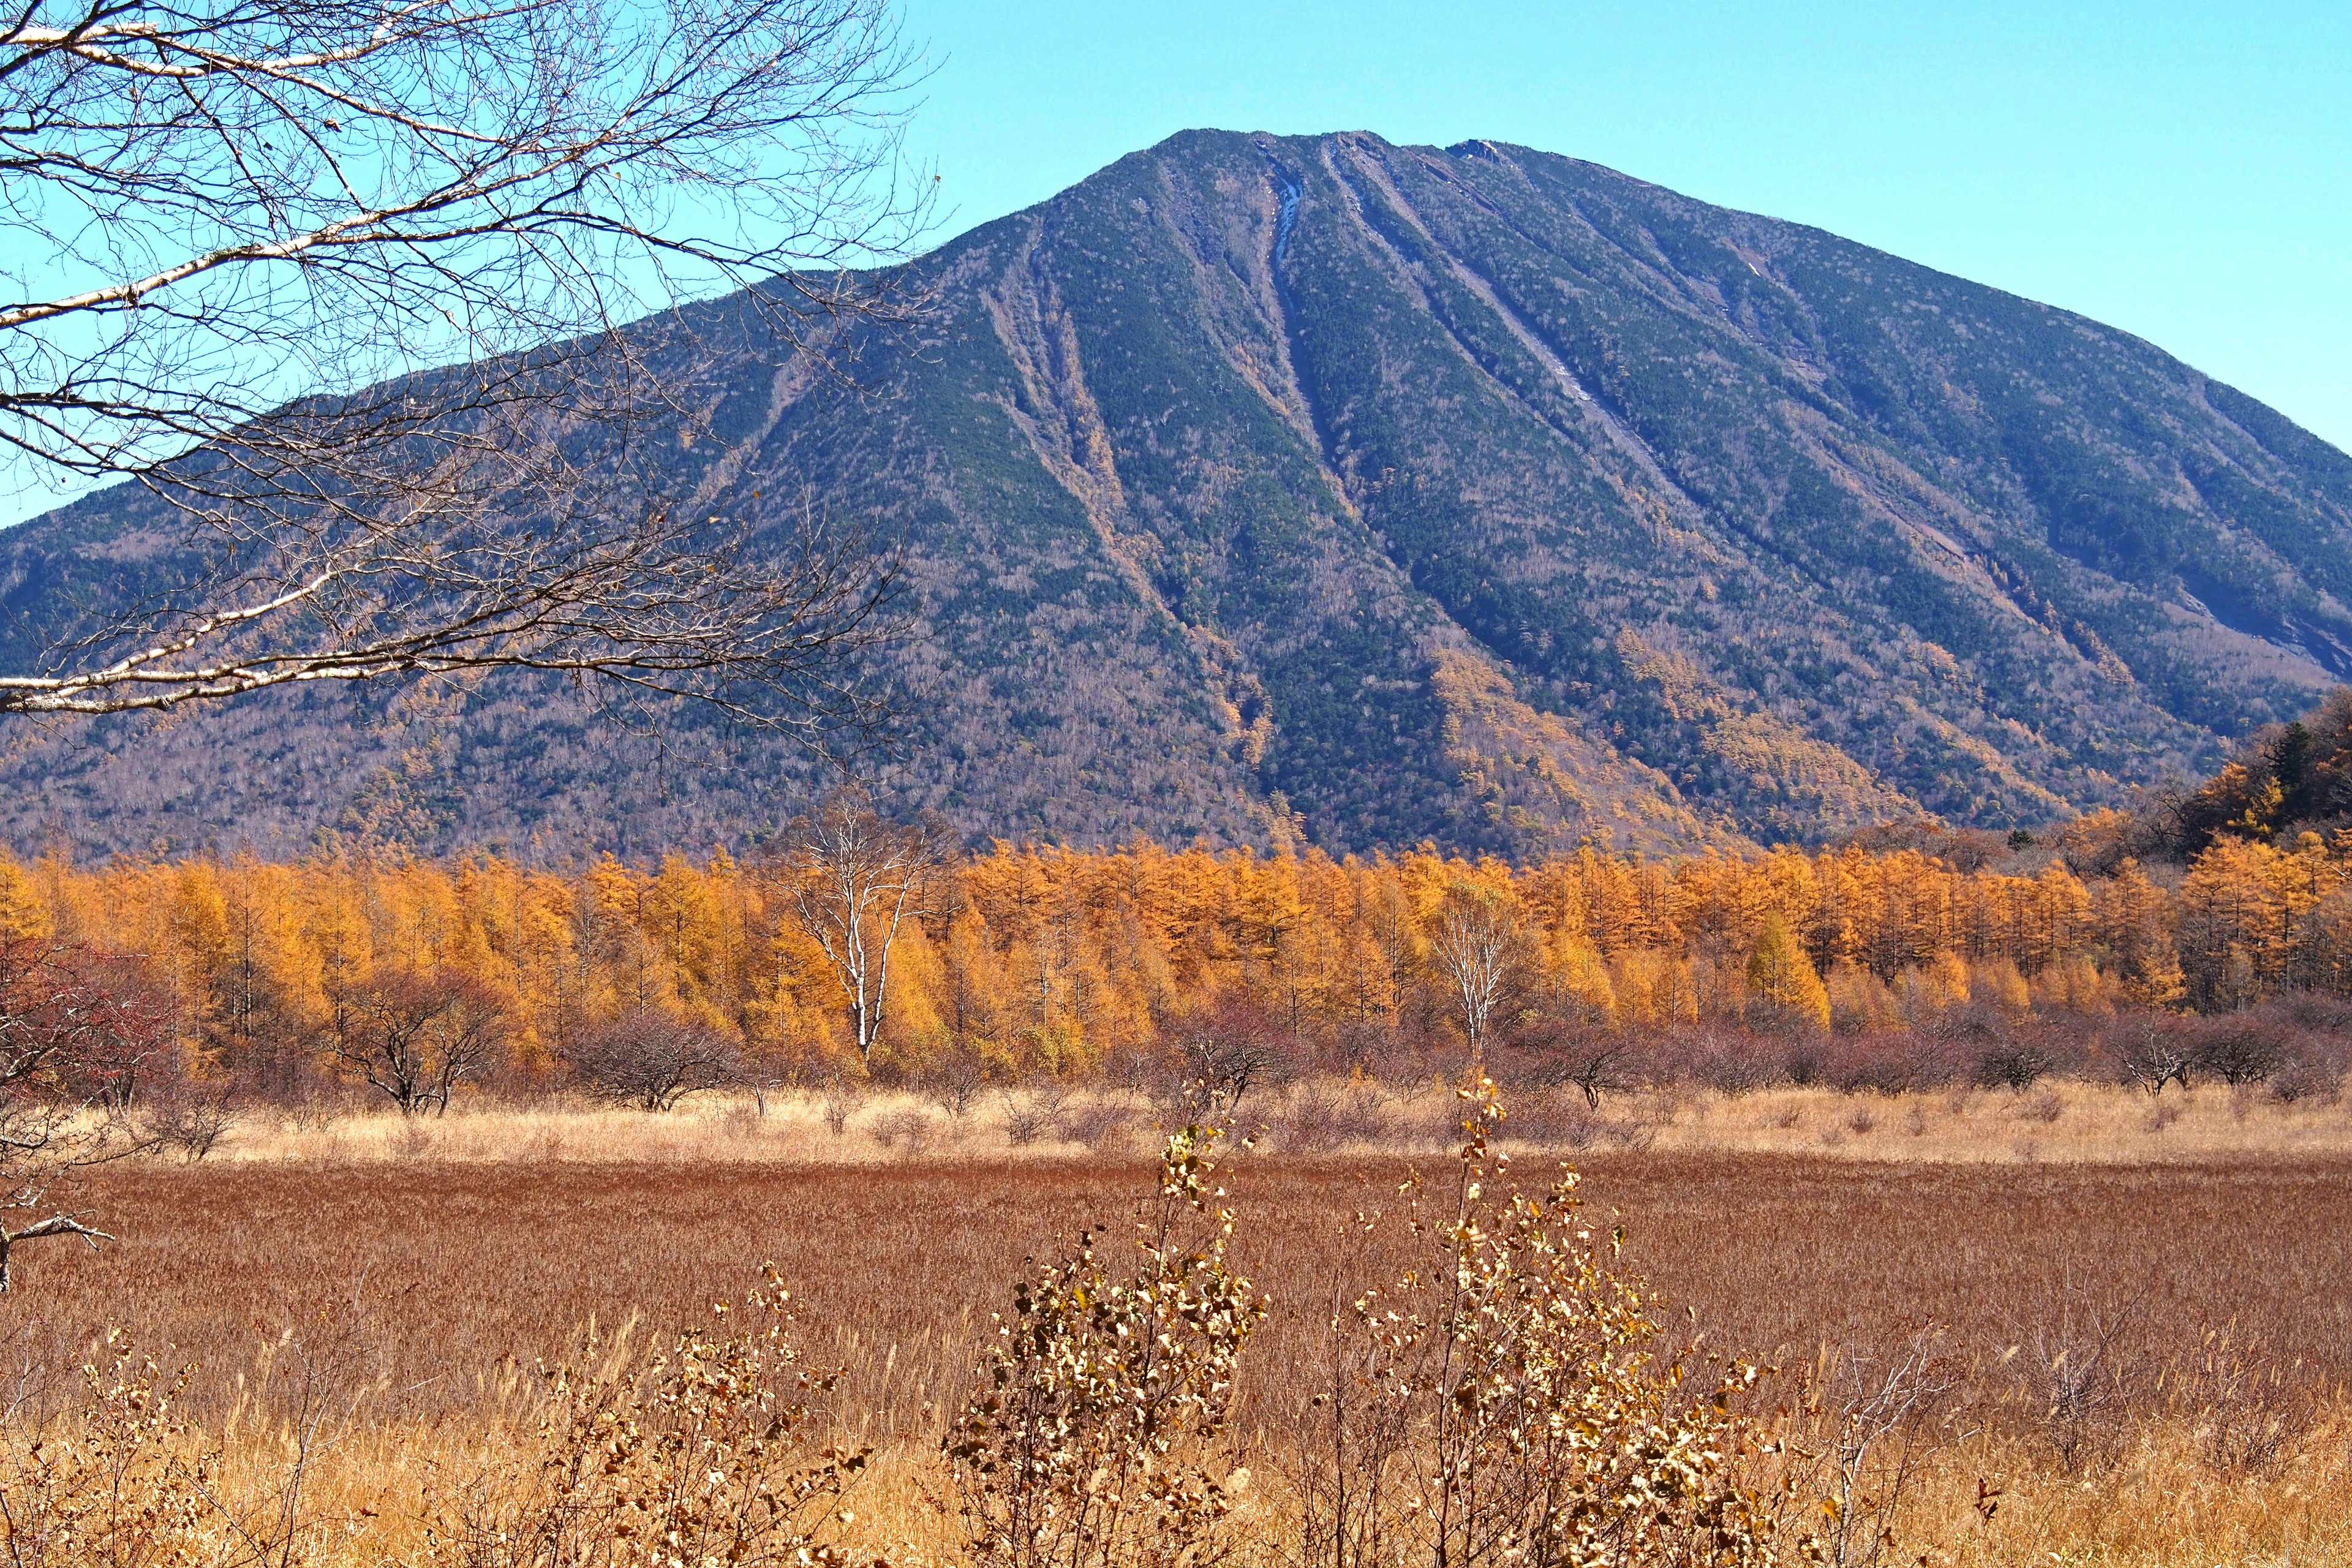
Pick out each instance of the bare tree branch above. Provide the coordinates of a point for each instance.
(241, 227)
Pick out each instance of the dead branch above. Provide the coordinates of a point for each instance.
(244, 226)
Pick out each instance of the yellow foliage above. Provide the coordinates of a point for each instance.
(1040, 957)
(1782, 977)
(23, 911)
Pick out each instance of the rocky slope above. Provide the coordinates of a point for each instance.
(1319, 489)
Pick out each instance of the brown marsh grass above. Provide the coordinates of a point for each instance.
(420, 1282)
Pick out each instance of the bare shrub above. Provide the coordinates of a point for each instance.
(1309, 1121)
(191, 1119)
(1502, 1402)
(837, 1101)
(1885, 1415)
(911, 1132)
(954, 1081)
(2043, 1105)
(1317, 1118)
(1101, 1124)
(1860, 1120)
(2082, 1380)
(1095, 1437)
(652, 1060)
(1893, 1062)
(1565, 1121)
(1033, 1113)
(2242, 1050)
(2008, 1059)
(2307, 1080)
(701, 1458)
(2249, 1405)
(1727, 1063)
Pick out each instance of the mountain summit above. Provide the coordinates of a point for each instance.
(1289, 489)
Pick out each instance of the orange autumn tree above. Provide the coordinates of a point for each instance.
(1029, 958)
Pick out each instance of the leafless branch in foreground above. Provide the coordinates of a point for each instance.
(239, 229)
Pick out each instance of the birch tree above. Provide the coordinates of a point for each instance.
(855, 880)
(1476, 951)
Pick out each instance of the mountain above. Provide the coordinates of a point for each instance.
(1319, 489)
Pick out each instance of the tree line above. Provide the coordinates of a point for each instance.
(863, 949)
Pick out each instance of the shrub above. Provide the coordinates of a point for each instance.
(1314, 1118)
(2307, 1080)
(2243, 1049)
(911, 1131)
(1503, 1402)
(192, 1119)
(1094, 1438)
(652, 1060)
(1892, 1063)
(1034, 1114)
(1101, 1124)
(2249, 1406)
(2007, 1059)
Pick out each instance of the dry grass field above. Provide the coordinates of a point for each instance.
(2058, 1121)
(418, 1284)
(409, 1274)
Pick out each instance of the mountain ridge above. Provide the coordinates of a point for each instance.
(1315, 489)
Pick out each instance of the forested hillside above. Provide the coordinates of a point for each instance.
(1319, 491)
(1964, 954)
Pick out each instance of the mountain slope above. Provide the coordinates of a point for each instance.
(1267, 488)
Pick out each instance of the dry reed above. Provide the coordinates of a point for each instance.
(422, 1275)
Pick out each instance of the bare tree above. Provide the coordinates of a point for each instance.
(1593, 1062)
(853, 880)
(68, 1045)
(2083, 1378)
(955, 1079)
(653, 1060)
(239, 229)
(1476, 951)
(1221, 1053)
(415, 1036)
(2152, 1052)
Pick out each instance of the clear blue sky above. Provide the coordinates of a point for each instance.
(2181, 171)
